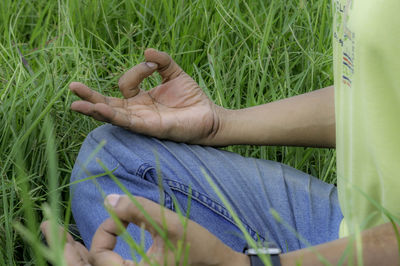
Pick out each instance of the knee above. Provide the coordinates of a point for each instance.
(92, 150)
(108, 141)
(115, 148)
(106, 132)
(110, 136)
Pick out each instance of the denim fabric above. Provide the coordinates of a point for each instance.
(307, 206)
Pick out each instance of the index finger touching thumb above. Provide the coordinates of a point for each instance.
(130, 81)
(167, 67)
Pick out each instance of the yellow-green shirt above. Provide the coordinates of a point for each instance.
(367, 84)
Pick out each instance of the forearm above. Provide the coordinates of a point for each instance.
(304, 120)
(379, 247)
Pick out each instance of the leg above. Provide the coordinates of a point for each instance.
(253, 187)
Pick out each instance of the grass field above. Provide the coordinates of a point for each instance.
(242, 53)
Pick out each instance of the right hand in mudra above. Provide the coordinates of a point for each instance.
(177, 109)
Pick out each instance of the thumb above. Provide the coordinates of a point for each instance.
(167, 67)
(129, 82)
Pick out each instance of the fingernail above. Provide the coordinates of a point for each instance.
(151, 65)
(112, 200)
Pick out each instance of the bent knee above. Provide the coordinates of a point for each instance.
(111, 135)
(103, 132)
(115, 148)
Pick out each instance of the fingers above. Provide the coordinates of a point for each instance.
(73, 257)
(88, 109)
(127, 211)
(102, 112)
(45, 227)
(105, 238)
(105, 113)
(167, 67)
(103, 243)
(74, 252)
(129, 82)
(81, 251)
(87, 94)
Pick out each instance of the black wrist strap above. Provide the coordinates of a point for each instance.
(256, 261)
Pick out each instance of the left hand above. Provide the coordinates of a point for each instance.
(75, 254)
(199, 246)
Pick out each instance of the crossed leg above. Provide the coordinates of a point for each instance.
(307, 206)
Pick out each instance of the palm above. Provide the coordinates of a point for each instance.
(177, 109)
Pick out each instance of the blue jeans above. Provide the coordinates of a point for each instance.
(307, 206)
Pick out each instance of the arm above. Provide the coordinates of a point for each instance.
(379, 247)
(303, 120)
(179, 110)
(379, 244)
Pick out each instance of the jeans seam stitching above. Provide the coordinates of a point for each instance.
(252, 232)
(143, 169)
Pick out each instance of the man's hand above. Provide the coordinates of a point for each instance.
(75, 254)
(177, 109)
(199, 246)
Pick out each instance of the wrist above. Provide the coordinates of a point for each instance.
(237, 259)
(224, 128)
(242, 126)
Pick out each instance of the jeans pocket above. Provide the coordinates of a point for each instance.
(147, 172)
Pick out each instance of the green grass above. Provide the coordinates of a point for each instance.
(242, 53)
